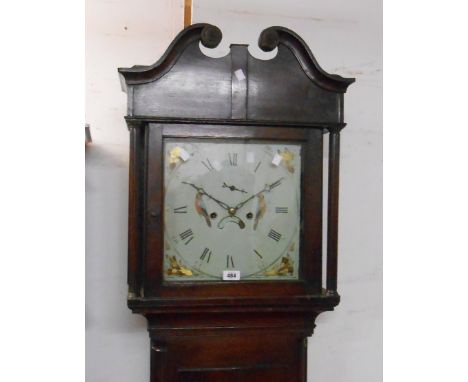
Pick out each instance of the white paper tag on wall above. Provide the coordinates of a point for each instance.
(231, 275)
(277, 159)
(184, 155)
(239, 73)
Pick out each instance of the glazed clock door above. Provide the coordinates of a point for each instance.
(232, 209)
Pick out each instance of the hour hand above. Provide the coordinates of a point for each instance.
(203, 192)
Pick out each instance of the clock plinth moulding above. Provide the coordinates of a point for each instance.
(247, 330)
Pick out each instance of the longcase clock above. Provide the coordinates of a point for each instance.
(225, 206)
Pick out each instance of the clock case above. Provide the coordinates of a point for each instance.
(241, 330)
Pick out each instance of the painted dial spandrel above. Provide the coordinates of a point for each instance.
(231, 205)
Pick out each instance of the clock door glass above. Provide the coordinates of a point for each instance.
(231, 206)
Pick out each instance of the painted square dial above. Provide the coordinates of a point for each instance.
(231, 205)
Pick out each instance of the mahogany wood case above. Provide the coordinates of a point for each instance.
(232, 331)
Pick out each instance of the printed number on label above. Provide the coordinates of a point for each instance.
(231, 275)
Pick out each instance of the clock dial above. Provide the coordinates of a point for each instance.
(231, 206)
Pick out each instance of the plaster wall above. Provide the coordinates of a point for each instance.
(346, 38)
(119, 33)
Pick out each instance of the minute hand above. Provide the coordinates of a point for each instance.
(267, 188)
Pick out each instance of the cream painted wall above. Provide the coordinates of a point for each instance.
(346, 38)
(118, 33)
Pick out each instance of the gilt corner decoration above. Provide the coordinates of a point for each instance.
(225, 205)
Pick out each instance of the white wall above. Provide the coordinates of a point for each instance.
(118, 33)
(346, 37)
